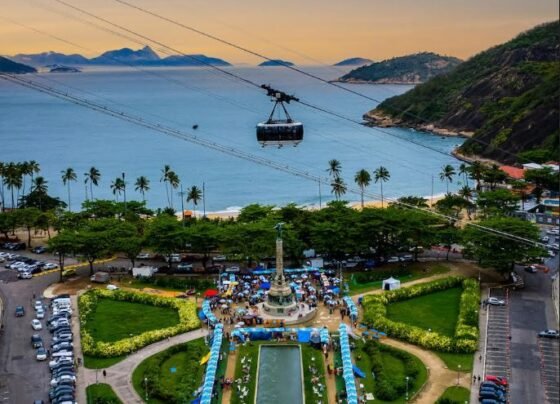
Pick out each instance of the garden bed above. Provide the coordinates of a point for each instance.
(455, 395)
(101, 393)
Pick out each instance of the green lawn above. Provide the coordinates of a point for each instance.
(172, 375)
(92, 362)
(456, 394)
(393, 366)
(415, 271)
(453, 360)
(101, 394)
(114, 320)
(251, 352)
(436, 311)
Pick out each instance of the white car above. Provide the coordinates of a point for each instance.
(49, 265)
(41, 354)
(219, 258)
(393, 259)
(40, 314)
(553, 231)
(144, 256)
(112, 287)
(16, 265)
(175, 258)
(25, 275)
(233, 269)
(551, 253)
(55, 381)
(555, 246)
(63, 359)
(494, 301)
(36, 324)
(38, 305)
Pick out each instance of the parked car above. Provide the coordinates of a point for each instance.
(20, 311)
(49, 265)
(144, 256)
(57, 380)
(233, 269)
(531, 268)
(62, 345)
(219, 258)
(497, 379)
(40, 314)
(494, 301)
(25, 275)
(39, 249)
(175, 258)
(549, 334)
(59, 362)
(184, 267)
(492, 385)
(41, 354)
(38, 305)
(392, 260)
(36, 324)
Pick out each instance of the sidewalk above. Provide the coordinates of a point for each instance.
(479, 356)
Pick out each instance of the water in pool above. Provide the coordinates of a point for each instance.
(280, 378)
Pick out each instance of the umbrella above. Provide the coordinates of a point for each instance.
(222, 300)
(224, 306)
(210, 293)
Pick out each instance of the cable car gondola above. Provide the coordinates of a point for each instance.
(279, 132)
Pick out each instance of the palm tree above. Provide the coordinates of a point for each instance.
(92, 177)
(174, 181)
(142, 184)
(466, 192)
(118, 186)
(165, 179)
(362, 179)
(194, 195)
(25, 170)
(464, 171)
(12, 179)
(476, 171)
(446, 174)
(2, 170)
(334, 168)
(40, 187)
(338, 187)
(34, 168)
(381, 175)
(68, 176)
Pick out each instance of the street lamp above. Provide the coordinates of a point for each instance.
(146, 387)
(406, 388)
(458, 373)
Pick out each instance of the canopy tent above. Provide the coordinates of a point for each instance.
(207, 311)
(391, 284)
(351, 307)
(210, 293)
(347, 367)
(210, 375)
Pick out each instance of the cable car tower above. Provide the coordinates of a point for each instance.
(279, 132)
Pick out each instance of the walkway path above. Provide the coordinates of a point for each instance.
(119, 376)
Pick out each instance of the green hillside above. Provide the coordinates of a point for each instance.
(7, 66)
(508, 96)
(409, 69)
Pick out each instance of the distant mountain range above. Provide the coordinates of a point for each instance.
(506, 97)
(409, 69)
(141, 57)
(276, 62)
(354, 62)
(9, 66)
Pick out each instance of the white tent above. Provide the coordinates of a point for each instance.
(391, 284)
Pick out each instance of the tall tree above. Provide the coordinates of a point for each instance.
(63, 244)
(92, 177)
(165, 179)
(338, 187)
(335, 168)
(2, 200)
(13, 180)
(446, 174)
(40, 188)
(381, 175)
(68, 176)
(464, 171)
(174, 182)
(476, 171)
(142, 185)
(362, 179)
(117, 186)
(194, 195)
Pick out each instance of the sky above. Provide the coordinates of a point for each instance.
(303, 31)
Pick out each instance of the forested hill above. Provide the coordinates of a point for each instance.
(409, 69)
(506, 96)
(8, 66)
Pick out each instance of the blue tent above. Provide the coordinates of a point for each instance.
(358, 372)
(265, 285)
(201, 315)
(304, 335)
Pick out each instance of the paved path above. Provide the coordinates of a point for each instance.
(119, 376)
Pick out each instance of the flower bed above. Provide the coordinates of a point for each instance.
(188, 320)
(465, 338)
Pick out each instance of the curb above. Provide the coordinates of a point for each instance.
(75, 266)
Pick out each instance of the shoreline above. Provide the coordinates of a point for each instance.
(384, 121)
(374, 83)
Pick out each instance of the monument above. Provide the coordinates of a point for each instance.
(280, 300)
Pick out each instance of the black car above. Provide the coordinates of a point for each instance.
(18, 246)
(36, 341)
(20, 311)
(39, 250)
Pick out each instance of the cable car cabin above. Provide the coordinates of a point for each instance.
(279, 133)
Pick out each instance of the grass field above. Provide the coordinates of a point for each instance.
(92, 362)
(457, 394)
(416, 271)
(453, 360)
(101, 394)
(393, 366)
(436, 311)
(114, 320)
(176, 372)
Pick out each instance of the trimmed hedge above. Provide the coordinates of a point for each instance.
(387, 387)
(465, 339)
(188, 320)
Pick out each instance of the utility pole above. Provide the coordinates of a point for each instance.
(203, 200)
(124, 192)
(432, 195)
(320, 202)
(182, 195)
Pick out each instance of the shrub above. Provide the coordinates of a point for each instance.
(466, 335)
(188, 320)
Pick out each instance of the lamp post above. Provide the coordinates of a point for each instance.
(182, 195)
(406, 397)
(458, 373)
(146, 387)
(124, 192)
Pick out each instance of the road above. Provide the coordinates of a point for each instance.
(531, 311)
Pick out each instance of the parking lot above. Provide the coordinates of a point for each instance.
(497, 358)
(549, 350)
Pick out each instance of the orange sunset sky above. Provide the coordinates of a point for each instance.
(303, 31)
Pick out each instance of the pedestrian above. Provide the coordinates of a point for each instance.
(480, 358)
(474, 379)
(479, 379)
(104, 373)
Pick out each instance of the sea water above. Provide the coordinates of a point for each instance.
(58, 134)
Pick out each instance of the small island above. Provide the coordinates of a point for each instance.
(356, 61)
(276, 62)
